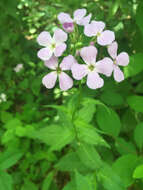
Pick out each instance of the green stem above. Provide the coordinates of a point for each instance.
(76, 109)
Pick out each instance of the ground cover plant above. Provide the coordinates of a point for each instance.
(71, 95)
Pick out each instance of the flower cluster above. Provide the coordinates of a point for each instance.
(88, 67)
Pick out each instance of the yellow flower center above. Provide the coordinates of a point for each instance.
(91, 67)
(58, 70)
(53, 45)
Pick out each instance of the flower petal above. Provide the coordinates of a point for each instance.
(49, 80)
(122, 59)
(44, 38)
(112, 50)
(93, 28)
(60, 35)
(118, 74)
(52, 63)
(64, 17)
(79, 71)
(79, 14)
(65, 81)
(105, 66)
(60, 49)
(94, 81)
(98, 26)
(45, 54)
(106, 38)
(88, 54)
(68, 26)
(84, 21)
(67, 62)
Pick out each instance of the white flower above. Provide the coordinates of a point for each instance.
(18, 68)
(3, 97)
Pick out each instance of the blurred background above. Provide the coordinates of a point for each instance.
(22, 95)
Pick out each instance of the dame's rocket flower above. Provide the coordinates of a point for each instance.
(78, 18)
(92, 68)
(118, 60)
(95, 28)
(65, 81)
(51, 45)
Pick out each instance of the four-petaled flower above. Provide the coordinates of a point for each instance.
(65, 81)
(53, 45)
(92, 68)
(118, 60)
(95, 28)
(78, 18)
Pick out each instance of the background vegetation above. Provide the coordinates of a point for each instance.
(39, 148)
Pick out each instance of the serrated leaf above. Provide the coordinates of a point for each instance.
(139, 16)
(138, 135)
(112, 98)
(29, 185)
(109, 179)
(138, 172)
(135, 66)
(109, 122)
(55, 136)
(47, 181)
(136, 103)
(82, 182)
(70, 162)
(9, 158)
(5, 181)
(124, 167)
(89, 156)
(88, 134)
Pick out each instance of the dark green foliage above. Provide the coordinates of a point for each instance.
(54, 140)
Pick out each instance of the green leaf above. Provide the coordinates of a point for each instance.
(138, 135)
(109, 179)
(87, 133)
(138, 172)
(5, 181)
(124, 167)
(109, 122)
(82, 182)
(9, 158)
(71, 185)
(5, 116)
(89, 156)
(36, 85)
(70, 162)
(86, 112)
(55, 136)
(128, 121)
(135, 66)
(13, 123)
(139, 16)
(124, 147)
(112, 98)
(47, 181)
(136, 103)
(28, 185)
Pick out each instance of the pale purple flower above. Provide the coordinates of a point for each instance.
(18, 68)
(92, 43)
(118, 60)
(95, 28)
(78, 18)
(52, 45)
(65, 81)
(92, 68)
